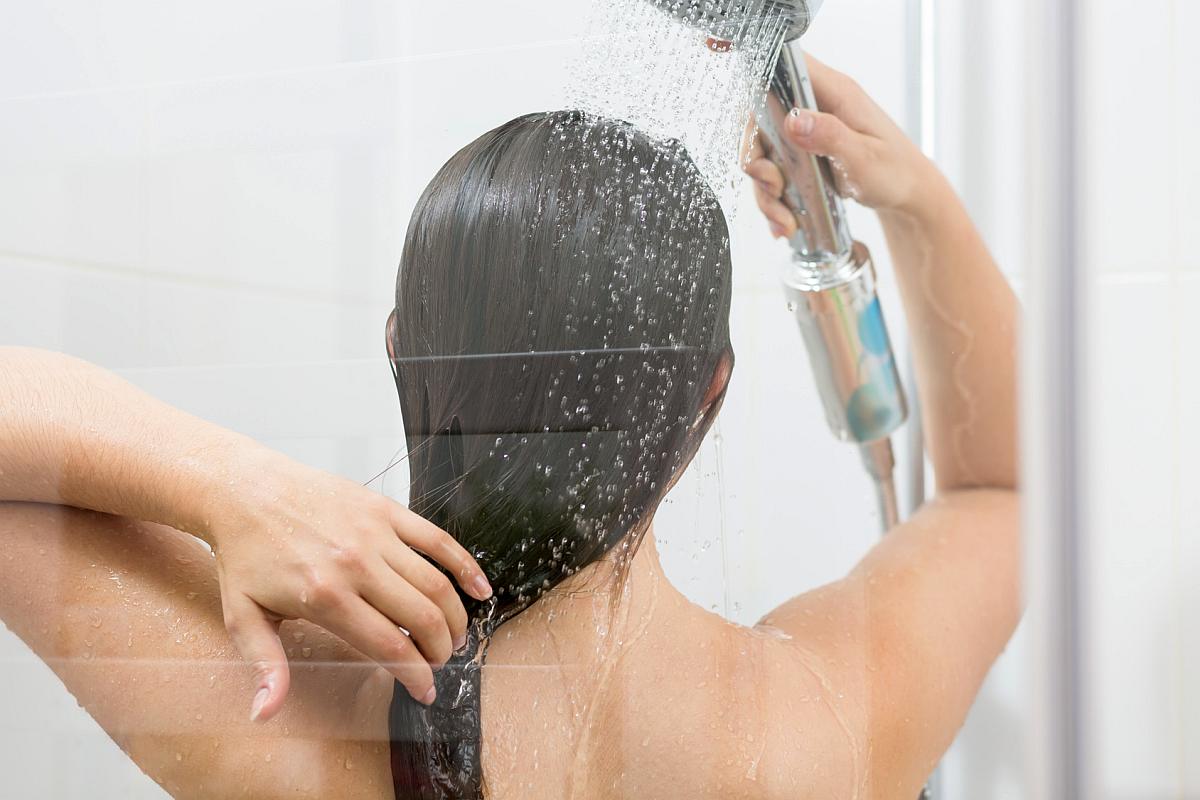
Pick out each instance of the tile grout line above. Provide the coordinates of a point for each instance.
(339, 66)
(151, 274)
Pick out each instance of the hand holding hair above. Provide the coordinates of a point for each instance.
(291, 542)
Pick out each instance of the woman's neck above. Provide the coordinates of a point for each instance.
(628, 591)
(598, 603)
(551, 668)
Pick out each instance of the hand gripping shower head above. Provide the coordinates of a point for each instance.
(830, 279)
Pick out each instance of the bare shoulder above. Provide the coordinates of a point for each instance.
(726, 711)
(902, 644)
(804, 716)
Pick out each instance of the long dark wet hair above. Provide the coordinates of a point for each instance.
(562, 309)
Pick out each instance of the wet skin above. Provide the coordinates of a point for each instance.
(655, 698)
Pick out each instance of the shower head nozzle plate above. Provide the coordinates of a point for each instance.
(723, 17)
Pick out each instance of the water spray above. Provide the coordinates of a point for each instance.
(830, 279)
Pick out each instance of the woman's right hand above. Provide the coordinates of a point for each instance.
(292, 542)
(874, 162)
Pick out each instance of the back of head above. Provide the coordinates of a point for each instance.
(561, 310)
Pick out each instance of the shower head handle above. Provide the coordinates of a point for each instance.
(822, 237)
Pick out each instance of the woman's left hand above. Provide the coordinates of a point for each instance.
(873, 161)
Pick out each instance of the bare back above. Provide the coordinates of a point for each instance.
(666, 701)
(847, 691)
(852, 690)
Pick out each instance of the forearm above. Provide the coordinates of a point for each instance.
(340, 555)
(962, 319)
(74, 434)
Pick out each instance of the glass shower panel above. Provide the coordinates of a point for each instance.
(212, 204)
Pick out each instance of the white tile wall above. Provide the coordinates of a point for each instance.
(97, 314)
(73, 180)
(67, 46)
(977, 128)
(1143, 560)
(1129, 63)
(1187, 543)
(1132, 591)
(1186, 108)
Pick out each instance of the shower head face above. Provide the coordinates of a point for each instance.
(721, 17)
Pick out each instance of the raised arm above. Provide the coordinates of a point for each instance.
(291, 542)
(910, 634)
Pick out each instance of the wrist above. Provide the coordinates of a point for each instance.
(210, 480)
(927, 203)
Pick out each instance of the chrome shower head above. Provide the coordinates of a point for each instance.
(720, 17)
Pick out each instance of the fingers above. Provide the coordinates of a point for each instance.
(256, 637)
(780, 220)
(818, 133)
(406, 606)
(768, 189)
(825, 135)
(421, 534)
(377, 638)
(830, 86)
(767, 176)
(840, 95)
(432, 584)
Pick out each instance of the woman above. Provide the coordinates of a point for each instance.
(560, 345)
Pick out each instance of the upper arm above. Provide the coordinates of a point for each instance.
(111, 602)
(907, 638)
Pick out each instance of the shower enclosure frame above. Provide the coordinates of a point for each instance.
(1054, 410)
(1053, 358)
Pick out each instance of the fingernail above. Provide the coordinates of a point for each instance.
(460, 642)
(430, 696)
(777, 230)
(260, 700)
(483, 589)
(801, 122)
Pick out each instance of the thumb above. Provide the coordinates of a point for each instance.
(256, 637)
(825, 135)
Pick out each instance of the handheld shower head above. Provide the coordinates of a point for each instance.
(830, 280)
(719, 17)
